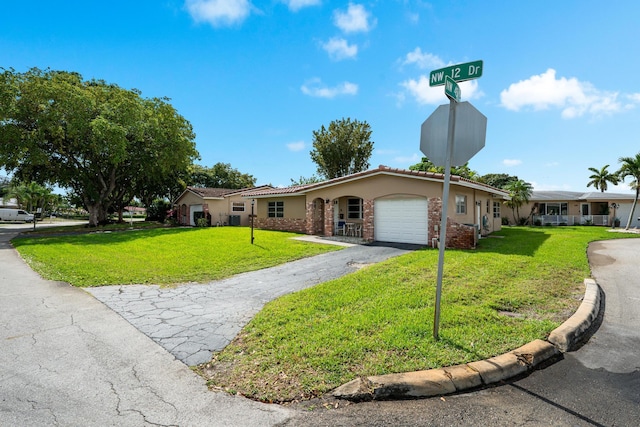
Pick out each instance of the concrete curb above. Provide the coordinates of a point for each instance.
(436, 382)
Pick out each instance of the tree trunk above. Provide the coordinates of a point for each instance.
(97, 214)
(633, 208)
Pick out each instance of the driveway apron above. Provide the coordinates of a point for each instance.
(193, 320)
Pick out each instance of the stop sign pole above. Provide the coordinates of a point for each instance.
(442, 242)
(474, 141)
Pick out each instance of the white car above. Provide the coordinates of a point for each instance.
(7, 214)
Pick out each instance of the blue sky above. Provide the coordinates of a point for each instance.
(256, 78)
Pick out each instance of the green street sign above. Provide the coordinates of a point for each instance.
(451, 89)
(458, 73)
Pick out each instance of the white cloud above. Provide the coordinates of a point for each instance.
(511, 162)
(424, 60)
(425, 94)
(219, 12)
(573, 97)
(315, 87)
(550, 187)
(355, 19)
(338, 49)
(296, 146)
(296, 5)
(634, 97)
(408, 160)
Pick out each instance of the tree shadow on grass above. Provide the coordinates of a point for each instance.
(97, 237)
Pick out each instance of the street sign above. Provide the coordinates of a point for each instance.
(451, 89)
(470, 133)
(459, 73)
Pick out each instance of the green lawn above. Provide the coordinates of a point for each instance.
(508, 292)
(160, 255)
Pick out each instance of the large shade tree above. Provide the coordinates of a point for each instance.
(631, 168)
(221, 175)
(343, 148)
(600, 178)
(498, 180)
(104, 143)
(426, 165)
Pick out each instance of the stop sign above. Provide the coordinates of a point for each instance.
(469, 135)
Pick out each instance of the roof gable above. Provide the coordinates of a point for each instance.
(219, 193)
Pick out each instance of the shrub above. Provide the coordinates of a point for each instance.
(157, 211)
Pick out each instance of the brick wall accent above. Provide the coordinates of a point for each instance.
(459, 236)
(296, 225)
(367, 220)
(308, 226)
(328, 218)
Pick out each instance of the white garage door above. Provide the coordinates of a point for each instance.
(401, 220)
(623, 213)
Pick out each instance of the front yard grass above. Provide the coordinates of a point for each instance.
(508, 292)
(160, 255)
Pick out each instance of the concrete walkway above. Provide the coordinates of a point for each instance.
(193, 320)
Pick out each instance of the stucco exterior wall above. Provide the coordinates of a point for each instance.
(316, 211)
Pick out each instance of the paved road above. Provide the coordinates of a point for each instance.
(67, 360)
(191, 321)
(598, 385)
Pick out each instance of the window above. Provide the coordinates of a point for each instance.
(461, 205)
(553, 208)
(237, 207)
(354, 209)
(496, 209)
(487, 205)
(276, 210)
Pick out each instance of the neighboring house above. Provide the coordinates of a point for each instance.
(383, 204)
(576, 208)
(8, 203)
(220, 206)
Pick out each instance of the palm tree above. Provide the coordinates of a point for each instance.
(631, 167)
(601, 177)
(520, 193)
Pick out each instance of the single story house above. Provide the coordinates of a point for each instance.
(220, 206)
(577, 208)
(383, 204)
(8, 203)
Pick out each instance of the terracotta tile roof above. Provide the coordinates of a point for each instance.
(211, 192)
(219, 193)
(301, 189)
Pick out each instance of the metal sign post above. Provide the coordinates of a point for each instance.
(469, 136)
(443, 220)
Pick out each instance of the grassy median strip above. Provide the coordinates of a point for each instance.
(161, 255)
(511, 290)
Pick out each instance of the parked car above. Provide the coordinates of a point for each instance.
(7, 214)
